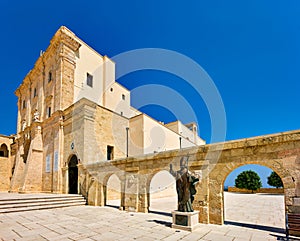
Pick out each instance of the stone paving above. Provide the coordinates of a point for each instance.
(107, 223)
(260, 209)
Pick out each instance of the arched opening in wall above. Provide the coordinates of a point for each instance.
(3, 150)
(162, 193)
(73, 175)
(263, 208)
(113, 191)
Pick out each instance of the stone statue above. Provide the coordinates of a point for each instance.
(36, 116)
(185, 186)
(24, 125)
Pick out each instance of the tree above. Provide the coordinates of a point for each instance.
(274, 180)
(249, 180)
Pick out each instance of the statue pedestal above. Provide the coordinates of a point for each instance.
(187, 221)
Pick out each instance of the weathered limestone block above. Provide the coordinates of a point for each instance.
(131, 192)
(92, 192)
(5, 173)
(143, 202)
(32, 179)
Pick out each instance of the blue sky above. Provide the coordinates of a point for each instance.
(250, 49)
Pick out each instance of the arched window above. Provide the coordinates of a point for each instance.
(3, 151)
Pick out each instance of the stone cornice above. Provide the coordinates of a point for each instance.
(67, 37)
(54, 121)
(62, 36)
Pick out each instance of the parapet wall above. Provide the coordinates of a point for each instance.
(261, 190)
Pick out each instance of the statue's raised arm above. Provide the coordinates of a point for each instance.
(173, 173)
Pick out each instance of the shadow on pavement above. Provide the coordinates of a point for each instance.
(112, 206)
(161, 213)
(256, 226)
(167, 224)
(283, 238)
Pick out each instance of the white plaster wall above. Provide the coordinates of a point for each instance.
(136, 134)
(200, 141)
(158, 138)
(186, 143)
(186, 132)
(109, 73)
(134, 112)
(113, 99)
(180, 128)
(173, 126)
(88, 61)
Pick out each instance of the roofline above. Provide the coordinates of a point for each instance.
(10, 136)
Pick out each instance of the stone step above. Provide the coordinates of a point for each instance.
(37, 200)
(32, 208)
(28, 196)
(40, 203)
(28, 202)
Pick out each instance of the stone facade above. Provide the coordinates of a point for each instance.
(69, 105)
(72, 137)
(45, 92)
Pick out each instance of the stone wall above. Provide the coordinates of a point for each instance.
(213, 163)
(6, 162)
(260, 190)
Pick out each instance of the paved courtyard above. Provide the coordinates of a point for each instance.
(248, 217)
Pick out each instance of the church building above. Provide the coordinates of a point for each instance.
(71, 111)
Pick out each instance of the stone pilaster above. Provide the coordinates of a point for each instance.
(17, 177)
(143, 196)
(67, 46)
(201, 202)
(100, 194)
(131, 192)
(33, 172)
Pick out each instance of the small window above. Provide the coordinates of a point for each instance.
(111, 89)
(123, 97)
(34, 92)
(48, 111)
(24, 104)
(3, 151)
(121, 113)
(110, 152)
(49, 76)
(89, 80)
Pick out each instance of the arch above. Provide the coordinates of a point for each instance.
(112, 190)
(261, 170)
(73, 174)
(162, 195)
(4, 151)
(150, 176)
(219, 174)
(254, 208)
(274, 165)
